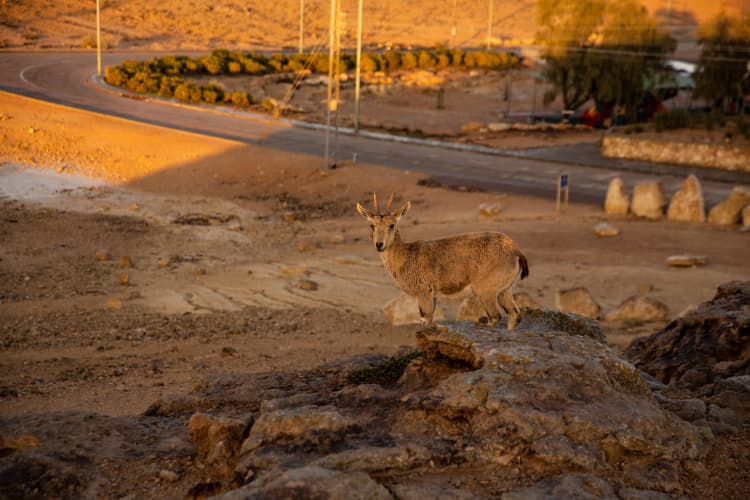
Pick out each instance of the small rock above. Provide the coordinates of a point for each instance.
(199, 272)
(638, 308)
(687, 202)
(103, 255)
(308, 285)
(645, 288)
(728, 211)
(163, 263)
(617, 201)
(126, 262)
(307, 246)
(686, 260)
(289, 216)
(228, 351)
(235, 226)
(349, 259)
(648, 200)
(114, 303)
(471, 127)
(746, 218)
(498, 127)
(604, 229)
(489, 210)
(124, 279)
(168, 475)
(577, 300)
(135, 207)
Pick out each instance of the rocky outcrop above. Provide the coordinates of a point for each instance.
(617, 201)
(728, 211)
(648, 200)
(577, 300)
(706, 355)
(549, 400)
(687, 203)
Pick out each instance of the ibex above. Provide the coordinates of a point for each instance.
(488, 262)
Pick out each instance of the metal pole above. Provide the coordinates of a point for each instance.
(301, 23)
(453, 27)
(359, 61)
(489, 27)
(330, 77)
(337, 55)
(98, 42)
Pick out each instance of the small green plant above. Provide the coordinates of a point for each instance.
(385, 373)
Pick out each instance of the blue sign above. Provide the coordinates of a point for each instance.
(564, 181)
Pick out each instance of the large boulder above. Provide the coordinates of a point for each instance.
(704, 354)
(638, 308)
(577, 300)
(648, 200)
(728, 211)
(687, 203)
(709, 342)
(617, 201)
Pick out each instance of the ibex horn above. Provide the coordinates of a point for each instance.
(390, 202)
(375, 203)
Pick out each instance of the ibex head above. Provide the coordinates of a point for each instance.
(383, 225)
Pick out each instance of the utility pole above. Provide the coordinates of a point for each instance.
(98, 42)
(359, 67)
(301, 23)
(329, 104)
(453, 27)
(489, 27)
(340, 21)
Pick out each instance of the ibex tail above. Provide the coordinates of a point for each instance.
(524, 265)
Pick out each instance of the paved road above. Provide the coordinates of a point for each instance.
(67, 78)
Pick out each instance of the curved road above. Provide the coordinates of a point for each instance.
(67, 78)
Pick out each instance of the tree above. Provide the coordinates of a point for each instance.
(595, 49)
(722, 71)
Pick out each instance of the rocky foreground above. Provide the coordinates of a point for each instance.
(545, 411)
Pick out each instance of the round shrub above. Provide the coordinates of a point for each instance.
(240, 98)
(408, 60)
(392, 60)
(425, 60)
(234, 67)
(212, 93)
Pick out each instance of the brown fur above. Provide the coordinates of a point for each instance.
(488, 262)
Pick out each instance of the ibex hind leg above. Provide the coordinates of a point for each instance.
(505, 299)
(488, 299)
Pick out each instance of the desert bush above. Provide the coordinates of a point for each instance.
(279, 62)
(370, 64)
(425, 60)
(168, 85)
(297, 62)
(234, 67)
(240, 98)
(392, 60)
(188, 91)
(320, 63)
(408, 60)
(213, 65)
(88, 42)
(212, 93)
(115, 75)
(442, 61)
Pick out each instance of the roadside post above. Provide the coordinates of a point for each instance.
(562, 185)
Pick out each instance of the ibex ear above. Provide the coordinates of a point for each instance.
(402, 211)
(364, 212)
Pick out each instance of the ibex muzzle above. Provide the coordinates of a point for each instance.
(489, 263)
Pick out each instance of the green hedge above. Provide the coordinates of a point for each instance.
(163, 75)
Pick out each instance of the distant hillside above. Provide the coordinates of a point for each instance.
(243, 24)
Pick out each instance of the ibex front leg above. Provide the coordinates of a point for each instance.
(427, 304)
